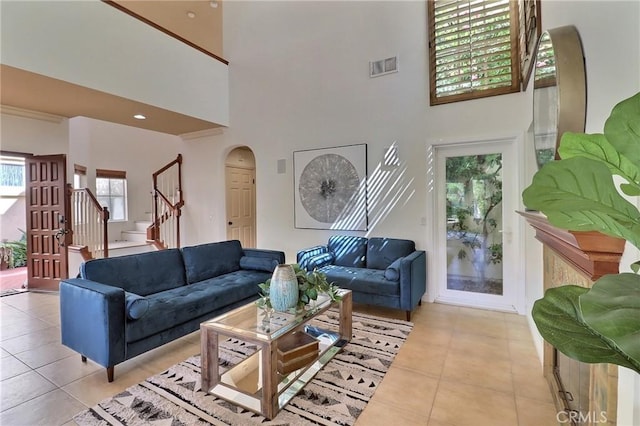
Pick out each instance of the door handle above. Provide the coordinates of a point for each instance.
(230, 223)
(60, 236)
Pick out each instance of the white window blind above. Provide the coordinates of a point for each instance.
(473, 49)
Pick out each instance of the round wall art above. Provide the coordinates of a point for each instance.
(327, 185)
(330, 188)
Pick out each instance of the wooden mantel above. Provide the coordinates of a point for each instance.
(592, 253)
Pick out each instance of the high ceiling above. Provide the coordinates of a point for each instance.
(203, 30)
(35, 92)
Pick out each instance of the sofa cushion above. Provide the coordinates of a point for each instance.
(303, 256)
(361, 280)
(171, 308)
(135, 305)
(319, 261)
(348, 250)
(258, 263)
(143, 273)
(211, 260)
(381, 252)
(392, 273)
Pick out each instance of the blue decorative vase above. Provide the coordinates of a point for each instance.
(283, 290)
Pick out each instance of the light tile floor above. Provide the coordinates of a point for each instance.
(459, 366)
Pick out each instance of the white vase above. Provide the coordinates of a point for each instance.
(283, 290)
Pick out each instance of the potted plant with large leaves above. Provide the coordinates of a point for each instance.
(579, 192)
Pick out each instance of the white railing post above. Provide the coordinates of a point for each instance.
(89, 222)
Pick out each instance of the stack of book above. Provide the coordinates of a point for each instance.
(295, 351)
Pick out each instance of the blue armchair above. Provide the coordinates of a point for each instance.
(385, 272)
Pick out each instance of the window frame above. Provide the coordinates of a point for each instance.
(79, 176)
(521, 62)
(529, 34)
(10, 162)
(113, 175)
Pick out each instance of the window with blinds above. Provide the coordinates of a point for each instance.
(474, 47)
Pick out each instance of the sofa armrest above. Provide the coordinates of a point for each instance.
(266, 254)
(305, 255)
(92, 320)
(413, 279)
(261, 259)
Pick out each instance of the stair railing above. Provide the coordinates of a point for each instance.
(89, 224)
(167, 201)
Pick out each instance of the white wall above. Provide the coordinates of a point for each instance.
(26, 135)
(97, 144)
(80, 149)
(203, 181)
(33, 136)
(94, 45)
(298, 80)
(111, 146)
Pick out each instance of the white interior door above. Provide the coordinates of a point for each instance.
(476, 256)
(241, 206)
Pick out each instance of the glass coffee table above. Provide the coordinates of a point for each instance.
(260, 382)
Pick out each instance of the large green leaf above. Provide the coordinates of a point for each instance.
(611, 308)
(595, 221)
(622, 128)
(557, 317)
(579, 194)
(597, 147)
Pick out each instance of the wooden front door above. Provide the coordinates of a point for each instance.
(241, 206)
(47, 212)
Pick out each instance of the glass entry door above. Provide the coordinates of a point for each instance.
(475, 209)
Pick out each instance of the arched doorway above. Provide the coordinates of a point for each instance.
(240, 183)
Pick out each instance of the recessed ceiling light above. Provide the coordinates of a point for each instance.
(213, 3)
(191, 14)
(139, 117)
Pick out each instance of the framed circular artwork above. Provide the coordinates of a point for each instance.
(330, 188)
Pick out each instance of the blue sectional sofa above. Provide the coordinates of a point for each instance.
(123, 306)
(386, 272)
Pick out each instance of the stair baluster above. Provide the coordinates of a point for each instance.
(164, 230)
(89, 224)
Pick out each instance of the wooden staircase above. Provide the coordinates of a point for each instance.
(88, 227)
(89, 230)
(133, 240)
(89, 221)
(167, 203)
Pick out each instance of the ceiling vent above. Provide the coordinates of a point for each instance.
(383, 66)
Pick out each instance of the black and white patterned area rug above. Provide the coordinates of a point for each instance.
(336, 395)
